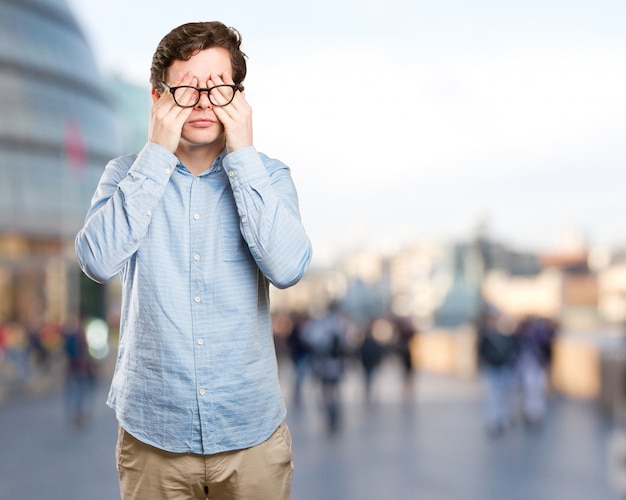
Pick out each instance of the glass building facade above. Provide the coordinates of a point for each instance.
(58, 128)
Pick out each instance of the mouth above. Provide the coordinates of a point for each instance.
(201, 122)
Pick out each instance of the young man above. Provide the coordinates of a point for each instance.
(197, 225)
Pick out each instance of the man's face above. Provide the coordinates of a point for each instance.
(203, 127)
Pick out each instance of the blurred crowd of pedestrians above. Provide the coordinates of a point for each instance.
(514, 359)
(26, 348)
(37, 353)
(325, 346)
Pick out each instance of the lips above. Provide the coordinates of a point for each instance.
(202, 122)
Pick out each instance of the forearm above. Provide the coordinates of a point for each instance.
(269, 216)
(121, 210)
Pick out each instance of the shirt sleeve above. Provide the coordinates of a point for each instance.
(269, 216)
(121, 210)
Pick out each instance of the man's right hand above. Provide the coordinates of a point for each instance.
(166, 117)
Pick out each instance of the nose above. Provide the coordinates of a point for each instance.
(204, 101)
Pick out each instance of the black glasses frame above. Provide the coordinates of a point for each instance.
(173, 90)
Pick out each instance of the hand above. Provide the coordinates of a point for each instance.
(166, 117)
(236, 117)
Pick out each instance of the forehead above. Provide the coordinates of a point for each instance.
(215, 60)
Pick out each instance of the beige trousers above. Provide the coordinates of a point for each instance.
(262, 472)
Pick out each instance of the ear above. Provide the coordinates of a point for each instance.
(155, 95)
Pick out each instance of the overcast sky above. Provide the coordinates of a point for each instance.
(411, 121)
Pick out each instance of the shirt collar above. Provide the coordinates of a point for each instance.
(215, 167)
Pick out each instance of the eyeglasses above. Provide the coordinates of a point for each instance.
(187, 97)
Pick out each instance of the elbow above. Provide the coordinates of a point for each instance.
(289, 277)
(281, 284)
(95, 275)
(90, 263)
(93, 271)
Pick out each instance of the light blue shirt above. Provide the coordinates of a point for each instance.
(196, 366)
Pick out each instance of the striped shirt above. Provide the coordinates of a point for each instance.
(196, 365)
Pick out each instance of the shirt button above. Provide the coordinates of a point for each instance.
(167, 170)
(197, 177)
(196, 216)
(244, 219)
(196, 258)
(149, 213)
(231, 173)
(197, 300)
(202, 392)
(200, 342)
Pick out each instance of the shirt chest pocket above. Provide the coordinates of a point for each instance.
(233, 245)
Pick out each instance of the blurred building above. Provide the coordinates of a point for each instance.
(58, 128)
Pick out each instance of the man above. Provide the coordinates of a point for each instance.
(327, 337)
(197, 225)
(498, 349)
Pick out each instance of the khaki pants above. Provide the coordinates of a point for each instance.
(262, 472)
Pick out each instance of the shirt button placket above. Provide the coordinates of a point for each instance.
(196, 257)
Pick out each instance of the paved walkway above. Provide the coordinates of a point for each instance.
(434, 448)
(431, 447)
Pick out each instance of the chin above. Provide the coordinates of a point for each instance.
(196, 140)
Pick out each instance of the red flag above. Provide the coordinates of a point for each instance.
(75, 147)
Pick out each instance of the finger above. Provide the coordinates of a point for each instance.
(224, 78)
(222, 94)
(167, 92)
(217, 79)
(187, 95)
(227, 77)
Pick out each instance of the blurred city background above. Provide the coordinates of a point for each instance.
(475, 185)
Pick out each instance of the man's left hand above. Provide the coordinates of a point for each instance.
(236, 116)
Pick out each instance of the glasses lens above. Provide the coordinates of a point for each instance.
(186, 97)
(221, 95)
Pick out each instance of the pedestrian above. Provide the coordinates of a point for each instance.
(371, 352)
(406, 333)
(327, 337)
(39, 355)
(536, 336)
(498, 350)
(299, 353)
(81, 377)
(198, 224)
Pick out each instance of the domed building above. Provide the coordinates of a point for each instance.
(58, 128)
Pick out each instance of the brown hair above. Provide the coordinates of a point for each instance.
(188, 39)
